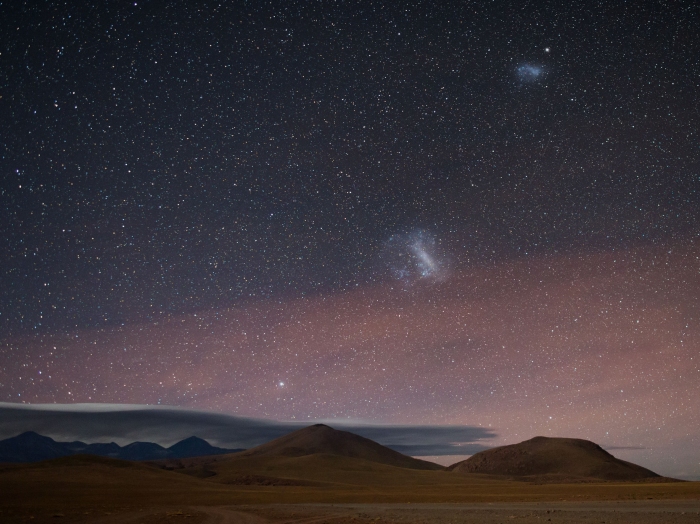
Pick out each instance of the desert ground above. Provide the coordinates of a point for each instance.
(319, 474)
(316, 489)
(588, 512)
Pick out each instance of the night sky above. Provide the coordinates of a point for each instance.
(479, 213)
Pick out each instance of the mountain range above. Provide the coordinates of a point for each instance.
(319, 447)
(319, 466)
(304, 453)
(32, 447)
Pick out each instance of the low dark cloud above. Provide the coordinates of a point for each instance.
(426, 440)
(614, 448)
(124, 424)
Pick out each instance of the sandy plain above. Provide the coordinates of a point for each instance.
(588, 512)
(316, 489)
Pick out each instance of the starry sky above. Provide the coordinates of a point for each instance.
(469, 213)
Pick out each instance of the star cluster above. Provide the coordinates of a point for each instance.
(460, 212)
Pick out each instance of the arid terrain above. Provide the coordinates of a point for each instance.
(321, 475)
(320, 488)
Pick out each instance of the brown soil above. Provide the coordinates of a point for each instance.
(647, 512)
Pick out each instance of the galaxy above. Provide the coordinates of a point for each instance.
(465, 214)
(414, 257)
(528, 73)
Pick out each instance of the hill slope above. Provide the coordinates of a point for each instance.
(322, 439)
(553, 457)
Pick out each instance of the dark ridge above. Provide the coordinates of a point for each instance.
(32, 447)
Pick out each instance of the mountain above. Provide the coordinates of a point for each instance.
(322, 439)
(196, 447)
(102, 450)
(553, 458)
(143, 451)
(32, 447)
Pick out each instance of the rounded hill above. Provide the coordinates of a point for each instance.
(322, 439)
(556, 458)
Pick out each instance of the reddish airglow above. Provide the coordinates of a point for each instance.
(600, 346)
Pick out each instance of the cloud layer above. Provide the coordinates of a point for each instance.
(124, 424)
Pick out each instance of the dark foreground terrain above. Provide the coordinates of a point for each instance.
(320, 488)
(588, 512)
(320, 475)
(642, 512)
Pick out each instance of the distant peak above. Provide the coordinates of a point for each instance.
(193, 439)
(32, 435)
